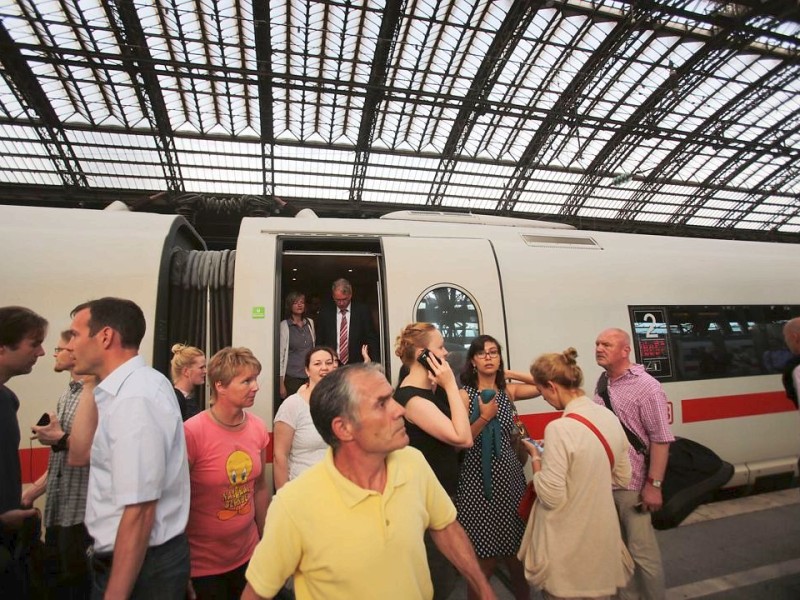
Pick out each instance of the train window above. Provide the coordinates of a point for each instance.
(455, 315)
(684, 343)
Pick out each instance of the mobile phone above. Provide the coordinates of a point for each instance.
(43, 420)
(539, 445)
(423, 359)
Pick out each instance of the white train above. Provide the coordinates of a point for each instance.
(706, 315)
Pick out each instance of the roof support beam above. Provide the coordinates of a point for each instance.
(21, 78)
(565, 107)
(384, 49)
(263, 39)
(501, 50)
(139, 66)
(682, 80)
(742, 104)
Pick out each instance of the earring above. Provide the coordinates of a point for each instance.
(474, 368)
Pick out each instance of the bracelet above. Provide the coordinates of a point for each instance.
(61, 444)
(481, 418)
(535, 458)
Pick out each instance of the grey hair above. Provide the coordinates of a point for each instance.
(335, 396)
(342, 284)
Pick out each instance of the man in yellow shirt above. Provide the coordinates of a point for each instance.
(352, 526)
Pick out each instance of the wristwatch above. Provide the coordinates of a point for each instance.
(656, 483)
(61, 444)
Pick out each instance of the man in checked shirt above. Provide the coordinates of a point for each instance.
(68, 576)
(640, 404)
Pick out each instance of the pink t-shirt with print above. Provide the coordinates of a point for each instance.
(223, 467)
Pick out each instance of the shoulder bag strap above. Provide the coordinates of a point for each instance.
(633, 439)
(596, 431)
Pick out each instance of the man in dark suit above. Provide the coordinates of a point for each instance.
(347, 326)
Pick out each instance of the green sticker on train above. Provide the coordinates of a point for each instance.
(259, 312)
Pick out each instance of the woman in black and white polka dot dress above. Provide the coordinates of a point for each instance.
(491, 480)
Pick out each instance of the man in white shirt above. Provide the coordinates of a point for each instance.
(138, 498)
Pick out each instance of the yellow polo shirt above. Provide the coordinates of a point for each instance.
(341, 541)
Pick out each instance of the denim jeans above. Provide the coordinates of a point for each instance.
(164, 574)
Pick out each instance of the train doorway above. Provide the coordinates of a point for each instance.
(311, 265)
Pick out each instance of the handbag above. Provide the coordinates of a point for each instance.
(526, 502)
(518, 433)
(693, 473)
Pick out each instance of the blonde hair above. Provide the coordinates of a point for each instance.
(229, 362)
(182, 357)
(561, 368)
(412, 336)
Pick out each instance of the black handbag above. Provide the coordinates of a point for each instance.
(694, 472)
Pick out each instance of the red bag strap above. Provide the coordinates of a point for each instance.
(596, 431)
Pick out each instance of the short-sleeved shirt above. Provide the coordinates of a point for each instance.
(442, 457)
(308, 447)
(342, 542)
(640, 404)
(138, 455)
(66, 485)
(223, 465)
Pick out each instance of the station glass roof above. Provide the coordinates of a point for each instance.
(674, 114)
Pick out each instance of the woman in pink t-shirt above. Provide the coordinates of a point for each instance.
(227, 454)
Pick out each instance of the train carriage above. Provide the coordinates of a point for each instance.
(705, 315)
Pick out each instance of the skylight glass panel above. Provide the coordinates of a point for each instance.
(36, 173)
(751, 175)
(9, 105)
(542, 207)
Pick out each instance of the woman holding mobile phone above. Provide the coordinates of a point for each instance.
(574, 547)
(436, 421)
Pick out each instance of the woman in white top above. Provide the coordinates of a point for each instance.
(298, 444)
(573, 546)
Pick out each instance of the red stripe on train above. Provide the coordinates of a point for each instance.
(34, 461)
(739, 405)
(537, 422)
(697, 409)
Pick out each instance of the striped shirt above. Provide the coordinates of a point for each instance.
(640, 403)
(66, 486)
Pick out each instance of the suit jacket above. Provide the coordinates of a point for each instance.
(361, 331)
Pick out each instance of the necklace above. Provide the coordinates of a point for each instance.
(223, 423)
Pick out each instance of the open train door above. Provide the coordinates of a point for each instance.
(452, 283)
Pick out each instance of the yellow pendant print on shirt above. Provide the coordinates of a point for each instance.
(236, 498)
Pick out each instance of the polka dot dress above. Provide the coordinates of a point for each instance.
(493, 526)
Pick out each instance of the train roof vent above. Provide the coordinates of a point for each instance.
(558, 241)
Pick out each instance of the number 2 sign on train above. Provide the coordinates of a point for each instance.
(705, 316)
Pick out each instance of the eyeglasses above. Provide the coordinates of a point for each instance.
(493, 353)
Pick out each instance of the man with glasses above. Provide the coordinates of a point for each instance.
(22, 332)
(65, 535)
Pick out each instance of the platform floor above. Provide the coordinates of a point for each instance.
(743, 549)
